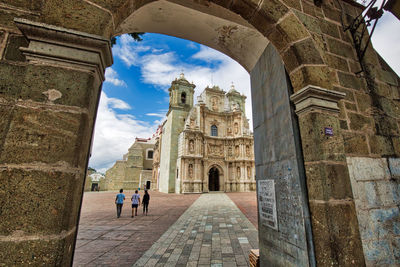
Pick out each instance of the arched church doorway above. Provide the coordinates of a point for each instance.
(213, 179)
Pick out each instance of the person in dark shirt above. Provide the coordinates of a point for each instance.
(145, 202)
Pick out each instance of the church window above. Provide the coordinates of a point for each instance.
(183, 98)
(149, 154)
(214, 130)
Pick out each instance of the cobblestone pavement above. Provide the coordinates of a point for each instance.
(104, 240)
(247, 203)
(212, 232)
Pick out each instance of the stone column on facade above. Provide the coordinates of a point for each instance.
(332, 207)
(53, 97)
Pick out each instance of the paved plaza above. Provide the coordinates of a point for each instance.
(180, 230)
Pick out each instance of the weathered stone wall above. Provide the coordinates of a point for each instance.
(47, 110)
(280, 160)
(115, 176)
(375, 185)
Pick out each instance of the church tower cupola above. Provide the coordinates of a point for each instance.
(181, 93)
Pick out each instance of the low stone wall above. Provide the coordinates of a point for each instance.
(376, 190)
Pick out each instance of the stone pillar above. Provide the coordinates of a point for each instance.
(333, 215)
(48, 111)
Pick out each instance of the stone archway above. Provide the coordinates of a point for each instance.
(213, 179)
(49, 97)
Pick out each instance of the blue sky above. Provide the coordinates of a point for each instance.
(134, 100)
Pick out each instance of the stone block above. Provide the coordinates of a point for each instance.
(394, 167)
(349, 93)
(350, 106)
(303, 52)
(312, 24)
(355, 143)
(337, 62)
(336, 234)
(359, 122)
(311, 75)
(371, 195)
(80, 16)
(340, 48)
(367, 169)
(364, 102)
(343, 125)
(39, 135)
(5, 115)
(41, 252)
(396, 249)
(11, 80)
(387, 77)
(388, 192)
(396, 145)
(332, 13)
(328, 181)
(246, 8)
(378, 253)
(389, 106)
(293, 4)
(273, 10)
(68, 84)
(386, 125)
(12, 51)
(381, 145)
(39, 202)
(309, 8)
(2, 37)
(27, 5)
(350, 81)
(383, 89)
(316, 145)
(330, 29)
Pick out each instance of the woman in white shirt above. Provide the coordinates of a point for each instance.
(135, 202)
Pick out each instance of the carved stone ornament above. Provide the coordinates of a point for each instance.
(53, 45)
(314, 98)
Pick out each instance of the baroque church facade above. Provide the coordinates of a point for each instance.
(204, 147)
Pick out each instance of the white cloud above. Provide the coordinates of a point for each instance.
(112, 77)
(161, 114)
(118, 104)
(115, 133)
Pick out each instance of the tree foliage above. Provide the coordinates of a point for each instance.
(137, 36)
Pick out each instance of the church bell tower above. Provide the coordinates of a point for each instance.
(180, 103)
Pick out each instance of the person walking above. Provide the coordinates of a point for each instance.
(135, 202)
(119, 201)
(145, 202)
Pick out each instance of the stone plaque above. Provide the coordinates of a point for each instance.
(267, 203)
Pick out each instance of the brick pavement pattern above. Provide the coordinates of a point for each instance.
(247, 203)
(212, 232)
(104, 240)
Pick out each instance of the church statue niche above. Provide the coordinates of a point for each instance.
(191, 146)
(248, 151)
(237, 151)
(248, 172)
(238, 173)
(236, 128)
(190, 171)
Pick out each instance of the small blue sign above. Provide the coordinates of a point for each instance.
(328, 131)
